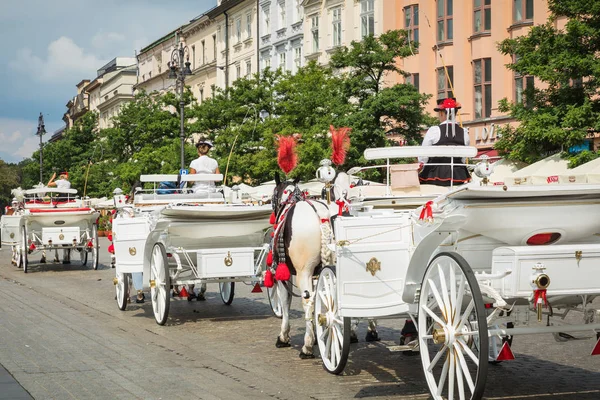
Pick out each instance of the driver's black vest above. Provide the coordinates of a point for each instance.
(442, 175)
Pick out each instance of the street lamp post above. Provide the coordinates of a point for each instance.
(179, 68)
(41, 130)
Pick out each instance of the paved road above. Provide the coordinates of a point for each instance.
(62, 337)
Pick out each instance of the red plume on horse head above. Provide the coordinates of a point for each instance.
(340, 143)
(286, 152)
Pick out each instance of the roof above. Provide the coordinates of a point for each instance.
(162, 39)
(225, 5)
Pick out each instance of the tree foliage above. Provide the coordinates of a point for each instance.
(565, 108)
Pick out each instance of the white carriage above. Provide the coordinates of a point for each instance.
(46, 219)
(187, 238)
(473, 267)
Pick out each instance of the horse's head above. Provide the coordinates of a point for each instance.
(285, 192)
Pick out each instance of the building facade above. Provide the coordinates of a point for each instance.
(458, 55)
(200, 36)
(152, 64)
(281, 27)
(118, 78)
(329, 24)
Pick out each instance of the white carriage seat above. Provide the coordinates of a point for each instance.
(168, 198)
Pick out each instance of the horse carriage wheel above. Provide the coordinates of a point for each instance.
(227, 290)
(24, 250)
(275, 301)
(453, 332)
(332, 330)
(122, 289)
(94, 246)
(17, 254)
(160, 283)
(83, 254)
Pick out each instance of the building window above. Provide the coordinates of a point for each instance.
(201, 95)
(281, 5)
(413, 79)
(523, 10)
(214, 38)
(203, 52)
(297, 58)
(445, 83)
(298, 10)
(482, 74)
(482, 18)
(411, 22)
(248, 26)
(282, 60)
(238, 30)
(193, 58)
(238, 71)
(248, 68)
(367, 17)
(266, 19)
(337, 26)
(444, 20)
(265, 60)
(314, 29)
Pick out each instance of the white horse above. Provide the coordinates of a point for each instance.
(302, 231)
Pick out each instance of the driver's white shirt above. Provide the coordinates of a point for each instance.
(63, 184)
(204, 165)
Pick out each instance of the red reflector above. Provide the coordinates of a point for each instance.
(596, 350)
(169, 255)
(489, 305)
(506, 353)
(32, 247)
(90, 244)
(543, 238)
(256, 288)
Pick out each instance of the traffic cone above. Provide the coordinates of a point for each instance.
(256, 288)
(183, 292)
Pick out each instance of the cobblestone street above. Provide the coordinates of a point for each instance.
(63, 337)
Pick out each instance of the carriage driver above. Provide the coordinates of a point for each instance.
(204, 164)
(447, 133)
(61, 183)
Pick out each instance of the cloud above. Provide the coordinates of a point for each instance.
(108, 41)
(18, 139)
(64, 61)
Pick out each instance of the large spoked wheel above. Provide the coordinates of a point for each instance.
(227, 290)
(17, 255)
(274, 295)
(24, 249)
(95, 247)
(122, 289)
(332, 331)
(453, 333)
(160, 283)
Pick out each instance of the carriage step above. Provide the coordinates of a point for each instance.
(411, 346)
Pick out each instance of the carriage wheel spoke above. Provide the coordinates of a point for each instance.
(451, 374)
(459, 295)
(433, 315)
(468, 310)
(459, 380)
(447, 303)
(438, 298)
(443, 350)
(444, 374)
(453, 296)
(463, 364)
(326, 286)
(469, 352)
(337, 348)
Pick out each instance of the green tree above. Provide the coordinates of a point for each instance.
(379, 109)
(9, 179)
(565, 108)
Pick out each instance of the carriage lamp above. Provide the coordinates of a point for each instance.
(539, 282)
(326, 174)
(484, 169)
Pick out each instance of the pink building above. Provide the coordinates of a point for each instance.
(462, 36)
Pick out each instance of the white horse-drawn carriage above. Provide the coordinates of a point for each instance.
(184, 238)
(471, 267)
(50, 219)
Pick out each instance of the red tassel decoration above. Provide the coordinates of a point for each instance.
(272, 218)
(340, 143)
(282, 273)
(268, 282)
(111, 249)
(269, 258)
(109, 237)
(286, 153)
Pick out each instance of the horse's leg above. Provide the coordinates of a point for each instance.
(305, 285)
(283, 340)
(372, 335)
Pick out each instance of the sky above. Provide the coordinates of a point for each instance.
(48, 47)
